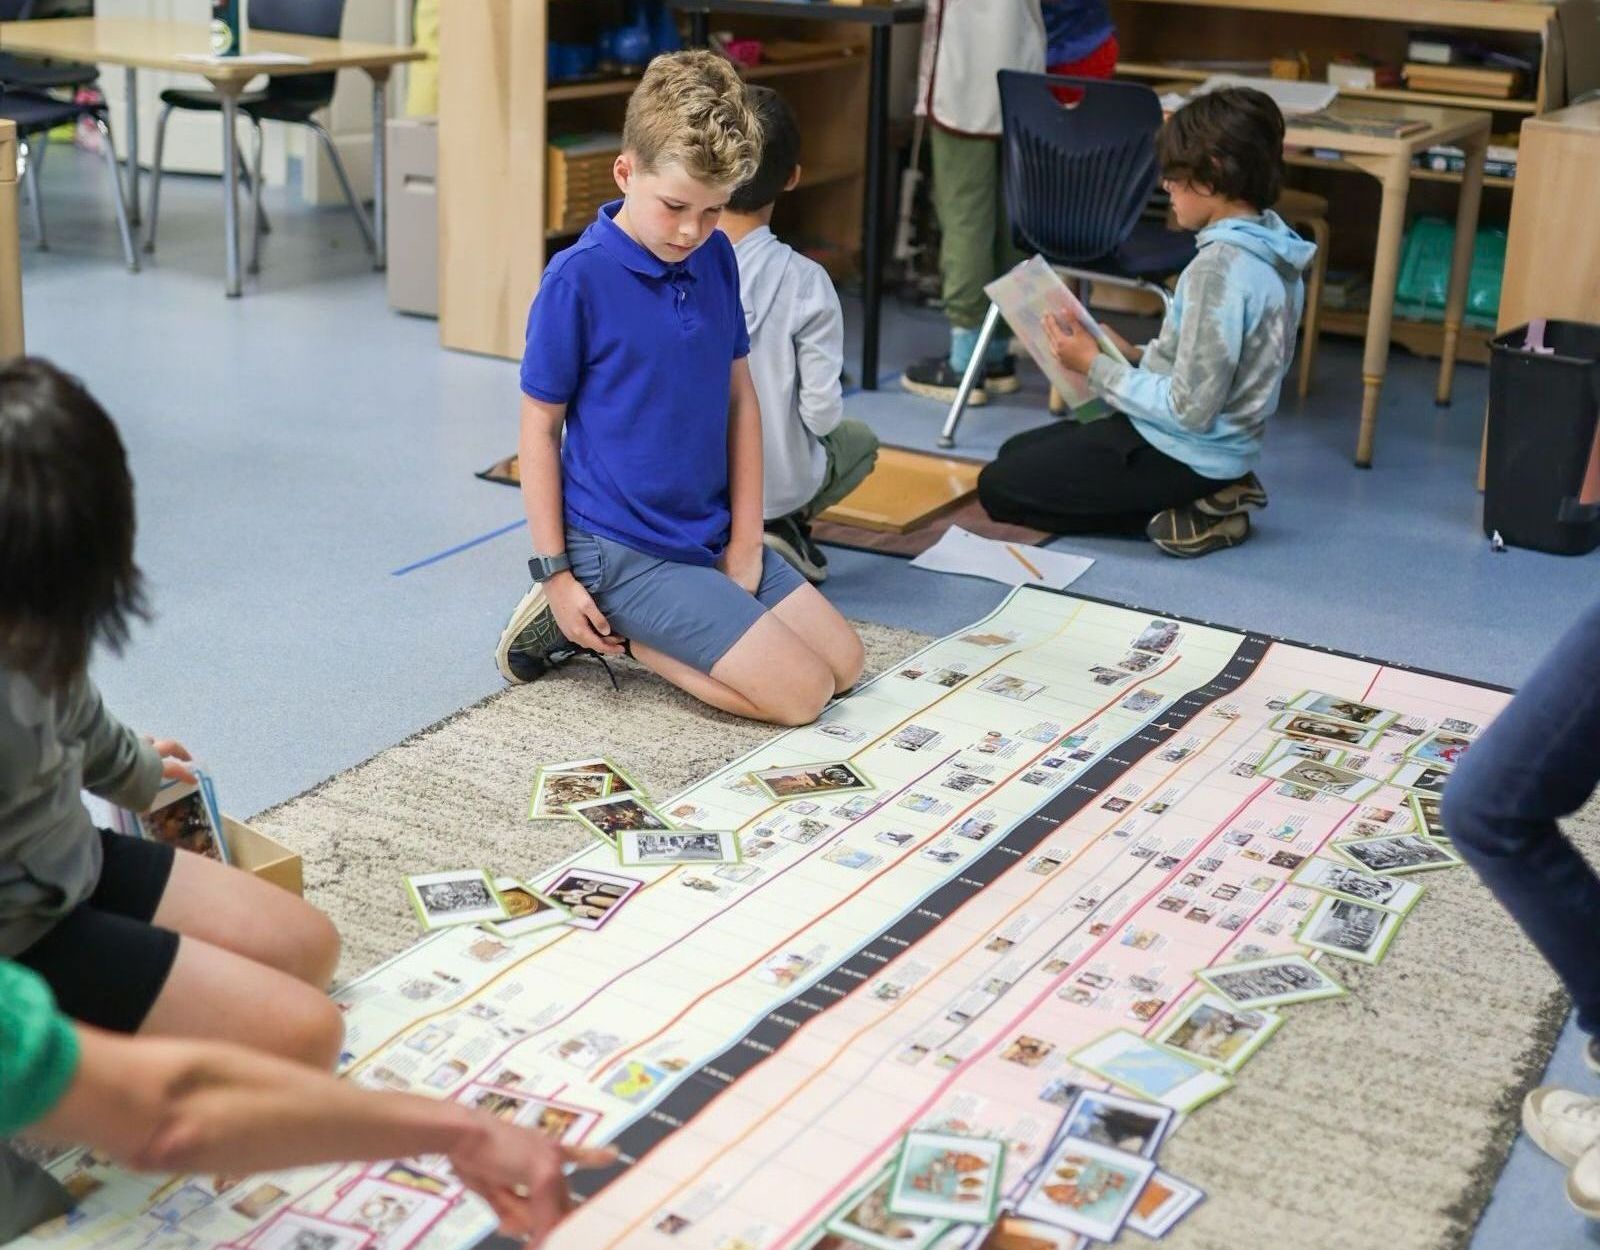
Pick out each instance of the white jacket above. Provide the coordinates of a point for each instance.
(965, 43)
(796, 356)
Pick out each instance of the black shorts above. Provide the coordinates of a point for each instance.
(104, 961)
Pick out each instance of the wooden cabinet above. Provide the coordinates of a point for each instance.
(497, 112)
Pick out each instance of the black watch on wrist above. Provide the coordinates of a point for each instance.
(543, 568)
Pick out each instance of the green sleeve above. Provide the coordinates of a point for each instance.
(38, 1049)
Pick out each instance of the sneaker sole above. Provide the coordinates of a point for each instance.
(813, 573)
(1533, 1126)
(1583, 1203)
(1200, 546)
(1002, 385)
(1245, 504)
(947, 394)
(530, 606)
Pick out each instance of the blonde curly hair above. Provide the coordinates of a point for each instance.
(690, 109)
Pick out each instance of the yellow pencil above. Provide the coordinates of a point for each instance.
(1025, 562)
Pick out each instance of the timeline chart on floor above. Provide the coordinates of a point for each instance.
(1026, 840)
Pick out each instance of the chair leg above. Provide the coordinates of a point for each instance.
(256, 219)
(1313, 318)
(344, 181)
(155, 179)
(30, 178)
(247, 177)
(114, 172)
(969, 379)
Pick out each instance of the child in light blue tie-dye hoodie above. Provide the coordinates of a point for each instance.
(1176, 460)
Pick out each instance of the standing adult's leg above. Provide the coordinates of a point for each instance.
(1535, 764)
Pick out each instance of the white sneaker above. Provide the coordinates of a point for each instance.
(1583, 1183)
(1564, 1125)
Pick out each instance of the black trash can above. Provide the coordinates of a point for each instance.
(1543, 412)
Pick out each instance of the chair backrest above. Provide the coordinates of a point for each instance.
(1076, 175)
(298, 17)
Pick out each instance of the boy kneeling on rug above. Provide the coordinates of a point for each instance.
(1192, 405)
(646, 519)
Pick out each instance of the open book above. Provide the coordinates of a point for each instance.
(1025, 295)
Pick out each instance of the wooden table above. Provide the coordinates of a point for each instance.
(1388, 159)
(137, 44)
(881, 18)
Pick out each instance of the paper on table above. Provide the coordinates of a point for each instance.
(960, 551)
(1025, 296)
(245, 58)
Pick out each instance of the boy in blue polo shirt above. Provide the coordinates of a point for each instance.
(647, 518)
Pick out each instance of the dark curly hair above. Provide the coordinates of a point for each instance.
(67, 576)
(1228, 141)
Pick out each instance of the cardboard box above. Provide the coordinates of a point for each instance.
(411, 182)
(262, 857)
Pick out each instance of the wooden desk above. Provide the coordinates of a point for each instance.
(1388, 159)
(10, 260)
(880, 17)
(137, 44)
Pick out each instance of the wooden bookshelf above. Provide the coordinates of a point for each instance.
(497, 112)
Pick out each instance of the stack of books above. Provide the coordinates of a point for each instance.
(1452, 65)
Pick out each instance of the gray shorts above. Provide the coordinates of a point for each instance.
(692, 613)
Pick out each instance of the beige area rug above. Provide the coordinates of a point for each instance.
(1381, 1119)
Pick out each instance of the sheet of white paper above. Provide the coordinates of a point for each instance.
(1292, 98)
(1011, 564)
(246, 58)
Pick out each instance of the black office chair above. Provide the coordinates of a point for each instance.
(35, 115)
(289, 98)
(1078, 178)
(26, 73)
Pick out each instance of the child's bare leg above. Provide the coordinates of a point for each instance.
(819, 625)
(770, 674)
(213, 993)
(233, 911)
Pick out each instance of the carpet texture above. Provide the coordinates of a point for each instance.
(1381, 1119)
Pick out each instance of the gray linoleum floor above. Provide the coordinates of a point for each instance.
(329, 576)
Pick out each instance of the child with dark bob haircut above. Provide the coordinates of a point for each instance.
(130, 935)
(1177, 458)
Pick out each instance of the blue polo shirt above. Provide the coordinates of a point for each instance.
(641, 352)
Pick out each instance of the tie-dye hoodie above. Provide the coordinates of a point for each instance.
(1208, 382)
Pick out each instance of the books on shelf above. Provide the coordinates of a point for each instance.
(1474, 80)
(1445, 158)
(1355, 72)
(1353, 124)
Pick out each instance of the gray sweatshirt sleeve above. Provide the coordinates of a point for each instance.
(819, 354)
(118, 765)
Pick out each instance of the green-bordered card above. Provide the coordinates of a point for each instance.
(1398, 853)
(1356, 884)
(1152, 1071)
(650, 847)
(607, 817)
(1271, 982)
(805, 781)
(445, 899)
(945, 1176)
(864, 1219)
(1212, 1030)
(1350, 930)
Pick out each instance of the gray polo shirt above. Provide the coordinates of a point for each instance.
(53, 746)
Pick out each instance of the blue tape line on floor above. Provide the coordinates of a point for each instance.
(457, 549)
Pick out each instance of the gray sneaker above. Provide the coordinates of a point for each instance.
(532, 643)
(791, 538)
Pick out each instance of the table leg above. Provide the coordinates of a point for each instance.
(229, 95)
(380, 214)
(872, 215)
(1461, 263)
(1395, 179)
(131, 77)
